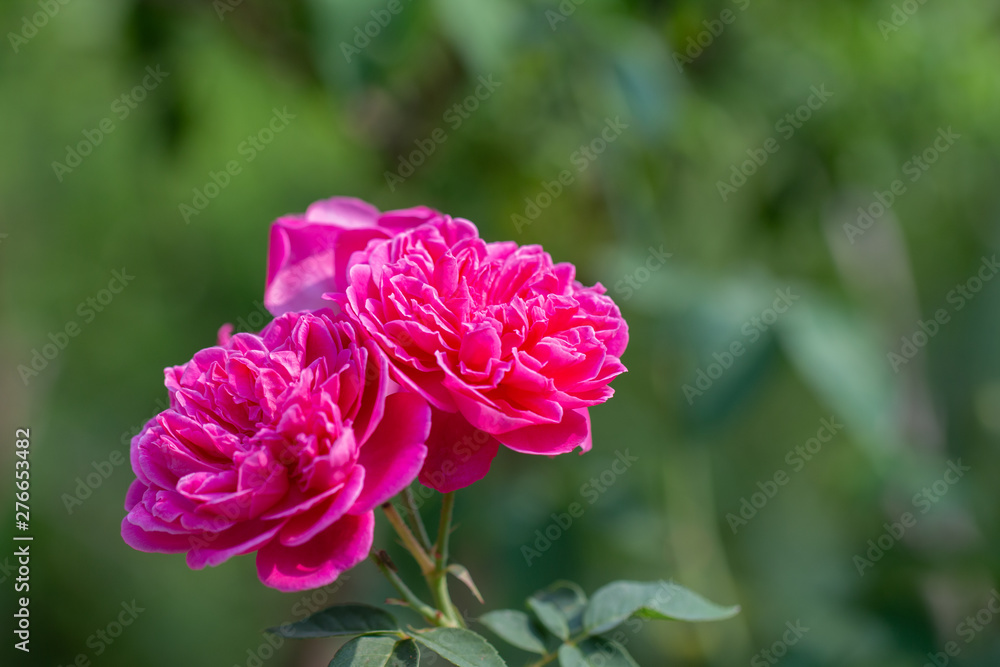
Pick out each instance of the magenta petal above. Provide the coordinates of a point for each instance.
(572, 432)
(306, 259)
(135, 492)
(408, 217)
(479, 346)
(241, 538)
(152, 541)
(304, 527)
(297, 502)
(296, 276)
(321, 560)
(395, 452)
(347, 212)
(309, 254)
(371, 408)
(458, 454)
(494, 419)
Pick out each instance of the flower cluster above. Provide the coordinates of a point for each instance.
(404, 347)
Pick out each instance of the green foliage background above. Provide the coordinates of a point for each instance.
(656, 184)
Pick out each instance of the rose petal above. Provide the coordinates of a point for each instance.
(308, 255)
(458, 454)
(242, 538)
(394, 454)
(153, 541)
(572, 432)
(303, 527)
(319, 561)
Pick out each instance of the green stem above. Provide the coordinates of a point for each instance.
(544, 661)
(432, 615)
(433, 566)
(427, 565)
(572, 641)
(416, 522)
(438, 579)
(444, 530)
(439, 588)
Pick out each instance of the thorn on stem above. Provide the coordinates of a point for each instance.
(383, 557)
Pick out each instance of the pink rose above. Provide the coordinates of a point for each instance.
(506, 346)
(281, 443)
(308, 253)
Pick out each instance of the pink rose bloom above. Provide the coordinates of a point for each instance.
(308, 253)
(280, 443)
(506, 345)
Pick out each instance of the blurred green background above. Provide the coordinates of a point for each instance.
(748, 135)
